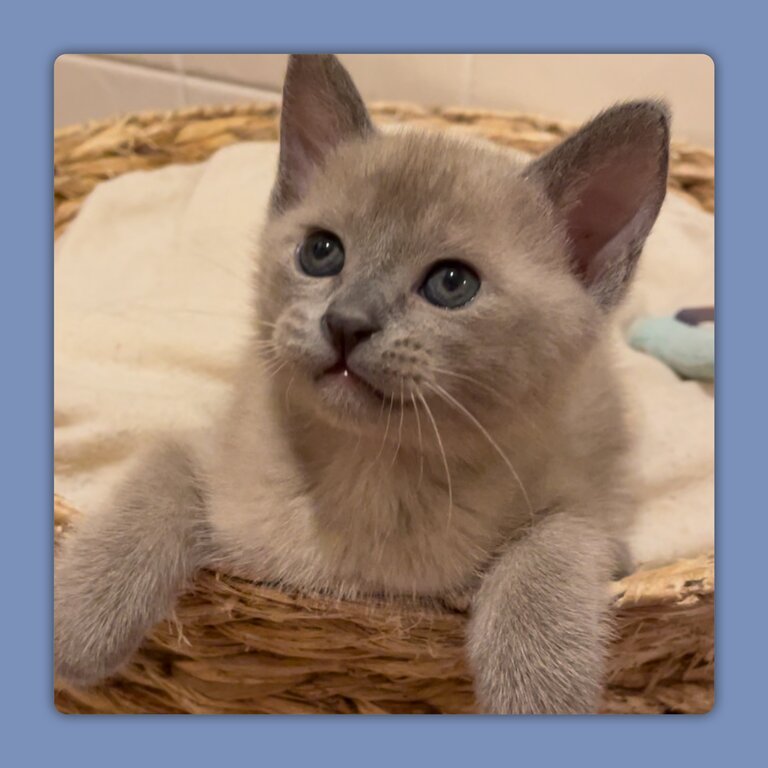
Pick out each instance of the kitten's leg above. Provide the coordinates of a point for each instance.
(118, 573)
(538, 632)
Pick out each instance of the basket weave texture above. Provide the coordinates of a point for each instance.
(238, 647)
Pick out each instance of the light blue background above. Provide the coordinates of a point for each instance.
(33, 36)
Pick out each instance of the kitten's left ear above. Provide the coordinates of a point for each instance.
(321, 109)
(607, 183)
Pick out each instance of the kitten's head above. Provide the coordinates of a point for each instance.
(404, 268)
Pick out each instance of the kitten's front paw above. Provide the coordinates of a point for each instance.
(75, 665)
(91, 637)
(119, 573)
(545, 695)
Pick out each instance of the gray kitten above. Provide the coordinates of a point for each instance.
(427, 407)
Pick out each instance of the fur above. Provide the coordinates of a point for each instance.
(472, 451)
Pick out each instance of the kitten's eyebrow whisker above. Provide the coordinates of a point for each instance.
(452, 401)
(442, 453)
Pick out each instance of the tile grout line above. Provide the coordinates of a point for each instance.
(176, 67)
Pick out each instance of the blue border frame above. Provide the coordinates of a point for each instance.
(732, 33)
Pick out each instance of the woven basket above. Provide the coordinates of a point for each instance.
(238, 647)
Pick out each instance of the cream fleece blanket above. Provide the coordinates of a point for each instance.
(152, 292)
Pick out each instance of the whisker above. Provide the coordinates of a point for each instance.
(400, 428)
(381, 411)
(442, 453)
(421, 445)
(452, 401)
(287, 391)
(359, 440)
(277, 370)
(519, 413)
(467, 378)
(266, 351)
(271, 370)
(386, 430)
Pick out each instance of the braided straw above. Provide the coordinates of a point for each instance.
(238, 647)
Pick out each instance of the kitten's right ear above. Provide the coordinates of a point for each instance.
(321, 109)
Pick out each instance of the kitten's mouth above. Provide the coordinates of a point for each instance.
(345, 374)
(344, 389)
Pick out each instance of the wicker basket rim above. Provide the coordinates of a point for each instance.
(377, 108)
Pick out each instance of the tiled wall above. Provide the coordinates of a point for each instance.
(568, 86)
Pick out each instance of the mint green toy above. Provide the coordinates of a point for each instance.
(687, 349)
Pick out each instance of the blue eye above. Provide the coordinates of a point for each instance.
(450, 284)
(321, 255)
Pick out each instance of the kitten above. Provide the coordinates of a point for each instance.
(427, 406)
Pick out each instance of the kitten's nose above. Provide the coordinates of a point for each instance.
(346, 328)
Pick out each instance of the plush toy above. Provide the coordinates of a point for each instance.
(686, 342)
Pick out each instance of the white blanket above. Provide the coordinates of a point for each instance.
(151, 300)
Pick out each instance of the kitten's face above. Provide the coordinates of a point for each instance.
(414, 269)
(447, 284)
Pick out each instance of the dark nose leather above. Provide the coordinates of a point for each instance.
(346, 328)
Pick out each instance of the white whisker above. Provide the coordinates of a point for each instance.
(400, 428)
(271, 370)
(421, 445)
(287, 391)
(452, 401)
(467, 378)
(520, 414)
(442, 453)
(386, 430)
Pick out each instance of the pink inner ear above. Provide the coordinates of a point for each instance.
(608, 201)
(304, 146)
(316, 128)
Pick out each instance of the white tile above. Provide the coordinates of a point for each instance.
(427, 78)
(262, 70)
(169, 61)
(575, 86)
(424, 78)
(198, 91)
(88, 88)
